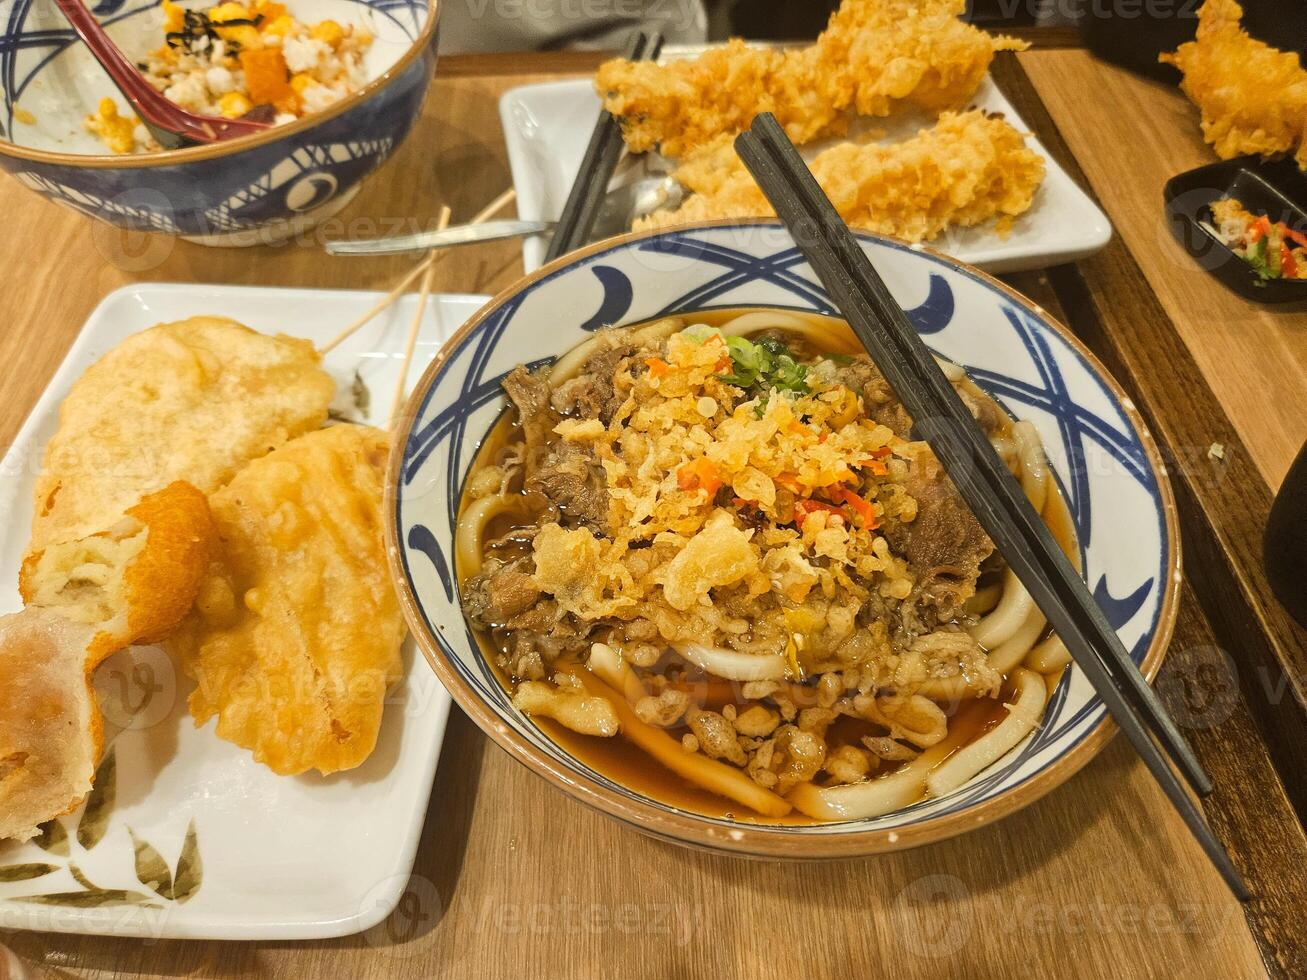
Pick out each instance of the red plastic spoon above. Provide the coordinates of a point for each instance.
(168, 122)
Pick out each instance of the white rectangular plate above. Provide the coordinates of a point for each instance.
(283, 858)
(548, 126)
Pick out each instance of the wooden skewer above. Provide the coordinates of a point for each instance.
(495, 206)
(381, 306)
(486, 213)
(416, 326)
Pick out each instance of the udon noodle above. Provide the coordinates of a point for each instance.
(708, 558)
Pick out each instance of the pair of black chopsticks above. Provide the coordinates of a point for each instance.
(601, 157)
(984, 482)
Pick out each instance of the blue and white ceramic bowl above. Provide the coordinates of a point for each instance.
(1107, 463)
(255, 189)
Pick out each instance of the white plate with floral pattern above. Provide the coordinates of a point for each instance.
(186, 836)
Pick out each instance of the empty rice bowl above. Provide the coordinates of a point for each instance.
(344, 80)
(1101, 459)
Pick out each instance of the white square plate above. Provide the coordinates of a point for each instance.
(282, 858)
(548, 126)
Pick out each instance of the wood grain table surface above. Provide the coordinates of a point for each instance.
(1253, 357)
(1098, 879)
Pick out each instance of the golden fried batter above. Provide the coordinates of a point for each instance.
(296, 633)
(966, 169)
(189, 401)
(1253, 97)
(87, 599)
(135, 581)
(50, 728)
(873, 55)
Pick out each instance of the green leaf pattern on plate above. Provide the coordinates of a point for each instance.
(53, 838)
(151, 869)
(26, 872)
(188, 877)
(81, 879)
(99, 805)
(97, 899)
(179, 885)
(92, 897)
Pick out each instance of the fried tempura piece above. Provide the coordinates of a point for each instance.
(1253, 97)
(87, 599)
(873, 55)
(966, 169)
(189, 401)
(296, 633)
(137, 580)
(50, 728)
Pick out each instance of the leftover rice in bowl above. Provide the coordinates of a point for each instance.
(239, 60)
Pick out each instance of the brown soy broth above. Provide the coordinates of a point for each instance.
(1057, 515)
(627, 764)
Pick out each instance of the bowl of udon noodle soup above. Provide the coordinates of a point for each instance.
(664, 531)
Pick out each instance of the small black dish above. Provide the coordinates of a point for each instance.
(1134, 34)
(1277, 190)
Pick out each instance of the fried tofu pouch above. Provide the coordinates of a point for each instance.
(193, 400)
(135, 581)
(87, 599)
(296, 634)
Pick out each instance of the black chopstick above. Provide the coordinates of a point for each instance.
(921, 365)
(597, 166)
(921, 370)
(979, 475)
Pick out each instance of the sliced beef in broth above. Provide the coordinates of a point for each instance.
(529, 394)
(572, 478)
(501, 593)
(944, 546)
(593, 394)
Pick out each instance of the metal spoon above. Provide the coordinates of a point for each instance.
(623, 206)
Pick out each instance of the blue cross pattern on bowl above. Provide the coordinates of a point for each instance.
(1105, 461)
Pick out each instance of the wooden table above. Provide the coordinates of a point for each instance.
(1098, 879)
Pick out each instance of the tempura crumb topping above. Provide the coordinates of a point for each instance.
(686, 452)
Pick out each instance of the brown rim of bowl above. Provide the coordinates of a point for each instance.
(762, 840)
(195, 154)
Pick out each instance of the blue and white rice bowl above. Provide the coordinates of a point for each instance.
(1104, 459)
(256, 189)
